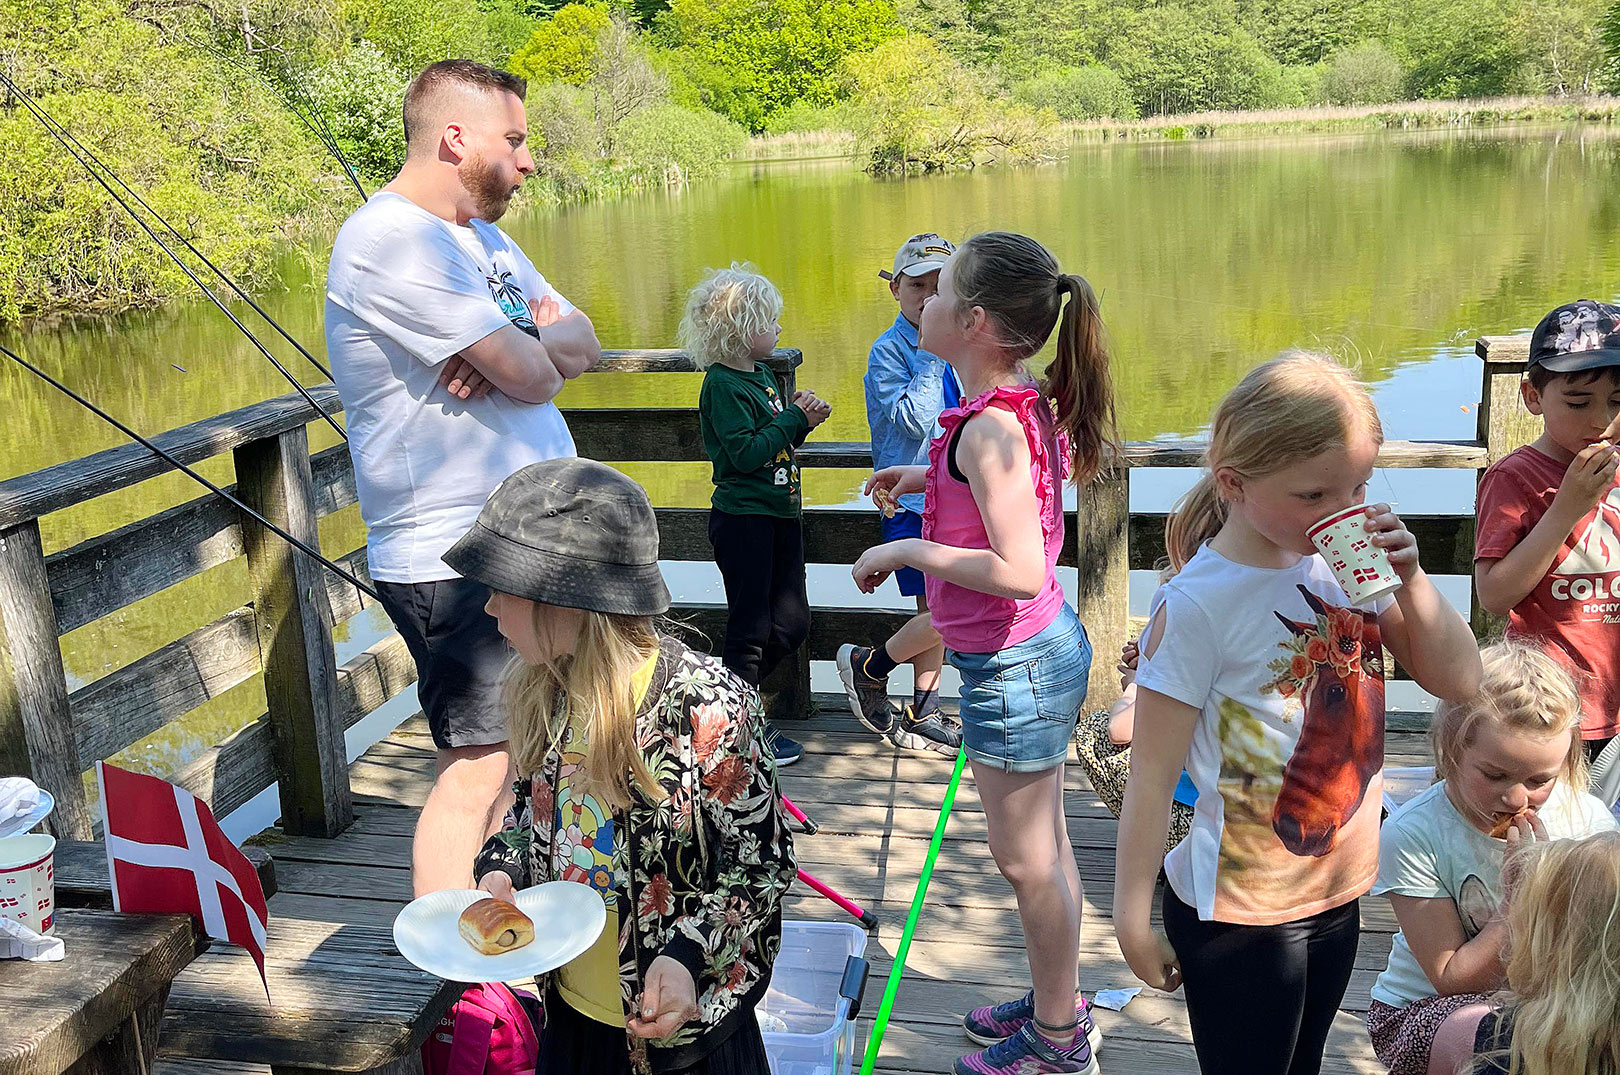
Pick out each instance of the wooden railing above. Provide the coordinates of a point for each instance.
(284, 625)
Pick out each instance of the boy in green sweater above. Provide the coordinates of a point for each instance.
(749, 435)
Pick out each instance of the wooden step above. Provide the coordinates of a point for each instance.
(171, 1065)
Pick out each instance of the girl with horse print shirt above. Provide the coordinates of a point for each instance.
(1261, 676)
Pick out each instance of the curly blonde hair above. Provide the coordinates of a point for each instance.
(1564, 959)
(725, 311)
(1523, 690)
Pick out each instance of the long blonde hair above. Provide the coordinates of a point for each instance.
(1523, 690)
(726, 310)
(1294, 407)
(1564, 959)
(597, 680)
(1017, 282)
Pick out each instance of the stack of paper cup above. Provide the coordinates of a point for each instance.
(1361, 566)
(27, 881)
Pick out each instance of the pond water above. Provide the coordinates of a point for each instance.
(1393, 251)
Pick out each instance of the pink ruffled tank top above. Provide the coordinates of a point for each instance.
(970, 621)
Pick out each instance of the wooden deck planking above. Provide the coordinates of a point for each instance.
(876, 808)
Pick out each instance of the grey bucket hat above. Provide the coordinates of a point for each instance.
(569, 532)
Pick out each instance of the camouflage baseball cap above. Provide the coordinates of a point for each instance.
(570, 532)
(1582, 335)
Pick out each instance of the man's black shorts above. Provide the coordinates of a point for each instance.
(460, 657)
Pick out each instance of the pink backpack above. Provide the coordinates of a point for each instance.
(487, 1032)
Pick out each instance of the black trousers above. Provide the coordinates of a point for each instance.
(1261, 999)
(761, 559)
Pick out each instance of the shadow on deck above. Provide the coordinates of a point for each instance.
(876, 807)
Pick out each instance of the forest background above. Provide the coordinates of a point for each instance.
(220, 113)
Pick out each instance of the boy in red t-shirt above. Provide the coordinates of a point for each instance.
(1547, 552)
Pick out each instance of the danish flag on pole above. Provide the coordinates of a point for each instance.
(167, 855)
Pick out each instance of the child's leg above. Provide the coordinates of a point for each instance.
(1453, 1043)
(926, 664)
(789, 604)
(740, 543)
(1024, 812)
(1250, 989)
(1331, 956)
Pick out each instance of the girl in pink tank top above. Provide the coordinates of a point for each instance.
(992, 528)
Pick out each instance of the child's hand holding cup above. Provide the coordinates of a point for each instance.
(1368, 549)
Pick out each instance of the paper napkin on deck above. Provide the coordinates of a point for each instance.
(17, 941)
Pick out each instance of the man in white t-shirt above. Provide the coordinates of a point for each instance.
(447, 347)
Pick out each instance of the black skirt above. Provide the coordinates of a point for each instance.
(575, 1044)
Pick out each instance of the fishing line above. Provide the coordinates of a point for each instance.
(51, 126)
(188, 472)
(62, 131)
(296, 101)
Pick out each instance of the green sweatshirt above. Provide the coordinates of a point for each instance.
(749, 436)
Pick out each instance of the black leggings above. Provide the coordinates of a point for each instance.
(761, 559)
(1261, 999)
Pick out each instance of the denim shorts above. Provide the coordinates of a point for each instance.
(905, 524)
(1019, 705)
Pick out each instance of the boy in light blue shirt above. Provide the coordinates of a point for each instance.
(906, 389)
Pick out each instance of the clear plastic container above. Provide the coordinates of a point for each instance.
(808, 1015)
(1403, 783)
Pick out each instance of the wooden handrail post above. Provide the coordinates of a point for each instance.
(36, 725)
(1504, 424)
(295, 642)
(1102, 545)
(786, 691)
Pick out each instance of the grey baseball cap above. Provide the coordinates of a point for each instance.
(570, 532)
(920, 254)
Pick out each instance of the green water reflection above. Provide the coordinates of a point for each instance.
(1389, 249)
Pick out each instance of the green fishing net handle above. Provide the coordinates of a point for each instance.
(874, 1041)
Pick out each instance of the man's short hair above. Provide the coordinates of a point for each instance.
(426, 92)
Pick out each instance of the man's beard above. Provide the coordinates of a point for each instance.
(491, 195)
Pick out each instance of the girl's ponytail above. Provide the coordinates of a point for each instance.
(1195, 519)
(1079, 381)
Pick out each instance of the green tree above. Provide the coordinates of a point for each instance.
(1309, 31)
(751, 58)
(1562, 41)
(359, 93)
(1176, 60)
(562, 48)
(415, 33)
(1610, 79)
(1364, 74)
(1079, 93)
(1460, 48)
(917, 109)
(206, 144)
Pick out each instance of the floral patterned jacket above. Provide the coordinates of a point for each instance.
(699, 877)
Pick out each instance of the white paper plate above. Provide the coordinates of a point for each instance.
(23, 822)
(568, 917)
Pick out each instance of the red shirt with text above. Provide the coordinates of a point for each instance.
(1574, 611)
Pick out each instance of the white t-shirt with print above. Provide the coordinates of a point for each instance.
(1288, 751)
(405, 291)
(1429, 850)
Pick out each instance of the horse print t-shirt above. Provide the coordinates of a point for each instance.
(1287, 756)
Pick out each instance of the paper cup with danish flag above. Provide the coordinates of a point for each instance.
(27, 884)
(1360, 565)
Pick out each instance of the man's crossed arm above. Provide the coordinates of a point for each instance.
(521, 366)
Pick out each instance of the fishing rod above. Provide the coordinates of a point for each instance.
(50, 125)
(61, 131)
(315, 554)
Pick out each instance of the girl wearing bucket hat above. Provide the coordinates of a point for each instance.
(642, 772)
